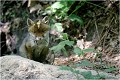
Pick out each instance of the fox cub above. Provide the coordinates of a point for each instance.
(35, 46)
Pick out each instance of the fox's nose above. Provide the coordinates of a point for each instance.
(39, 38)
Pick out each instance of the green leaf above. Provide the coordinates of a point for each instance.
(65, 36)
(57, 48)
(76, 71)
(64, 51)
(74, 17)
(110, 69)
(78, 51)
(53, 10)
(67, 42)
(88, 50)
(66, 68)
(57, 5)
(65, 9)
(87, 75)
(98, 76)
(58, 27)
(85, 63)
(61, 45)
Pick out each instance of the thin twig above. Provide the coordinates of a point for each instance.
(97, 30)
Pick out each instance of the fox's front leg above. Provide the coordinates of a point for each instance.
(28, 48)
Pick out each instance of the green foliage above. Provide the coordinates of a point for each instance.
(111, 69)
(61, 46)
(89, 50)
(65, 36)
(79, 52)
(57, 27)
(74, 17)
(58, 9)
(85, 74)
(85, 63)
(57, 5)
(57, 14)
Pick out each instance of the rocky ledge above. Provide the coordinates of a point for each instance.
(18, 68)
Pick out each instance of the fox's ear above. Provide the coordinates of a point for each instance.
(29, 22)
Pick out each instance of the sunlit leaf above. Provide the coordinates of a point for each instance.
(54, 10)
(57, 5)
(58, 27)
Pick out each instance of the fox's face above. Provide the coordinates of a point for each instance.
(37, 28)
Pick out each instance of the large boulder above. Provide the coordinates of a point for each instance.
(19, 68)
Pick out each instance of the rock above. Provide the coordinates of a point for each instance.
(18, 68)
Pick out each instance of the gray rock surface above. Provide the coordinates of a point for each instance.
(19, 68)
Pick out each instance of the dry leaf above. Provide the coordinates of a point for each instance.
(80, 44)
